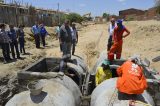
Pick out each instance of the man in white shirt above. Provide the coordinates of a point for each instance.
(74, 37)
(111, 27)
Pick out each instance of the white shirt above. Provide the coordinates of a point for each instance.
(57, 30)
(74, 33)
(111, 29)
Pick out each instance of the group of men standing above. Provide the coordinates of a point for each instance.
(13, 40)
(9, 40)
(68, 38)
(39, 33)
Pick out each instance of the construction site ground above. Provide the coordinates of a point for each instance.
(144, 40)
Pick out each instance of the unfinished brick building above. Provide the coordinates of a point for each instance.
(130, 13)
(151, 13)
(136, 14)
(14, 14)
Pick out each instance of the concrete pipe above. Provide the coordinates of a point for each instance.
(73, 69)
(56, 92)
(106, 94)
(80, 62)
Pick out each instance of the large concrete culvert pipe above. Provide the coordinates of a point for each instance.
(56, 92)
(75, 66)
(106, 94)
(73, 69)
(80, 62)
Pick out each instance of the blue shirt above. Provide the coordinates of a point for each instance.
(35, 29)
(12, 34)
(43, 31)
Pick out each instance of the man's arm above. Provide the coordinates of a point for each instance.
(8, 33)
(97, 78)
(60, 35)
(127, 31)
(18, 33)
(119, 71)
(1, 38)
(46, 33)
(32, 30)
(8, 38)
(113, 37)
(109, 29)
(77, 35)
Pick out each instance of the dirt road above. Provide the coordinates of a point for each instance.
(144, 40)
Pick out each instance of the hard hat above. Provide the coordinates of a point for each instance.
(119, 21)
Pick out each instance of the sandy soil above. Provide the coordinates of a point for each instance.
(144, 40)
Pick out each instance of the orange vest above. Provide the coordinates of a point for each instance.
(131, 79)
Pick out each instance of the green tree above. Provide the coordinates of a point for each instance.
(74, 17)
(63, 18)
(157, 4)
(105, 15)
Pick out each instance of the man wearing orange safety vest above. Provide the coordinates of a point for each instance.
(118, 40)
(131, 79)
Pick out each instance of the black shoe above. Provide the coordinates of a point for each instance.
(19, 57)
(10, 59)
(14, 59)
(5, 62)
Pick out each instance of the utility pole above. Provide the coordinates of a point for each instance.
(58, 15)
(16, 12)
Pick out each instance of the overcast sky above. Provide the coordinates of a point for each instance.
(96, 7)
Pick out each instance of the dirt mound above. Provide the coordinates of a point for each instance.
(150, 28)
(144, 40)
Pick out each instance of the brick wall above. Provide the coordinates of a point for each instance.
(151, 13)
(139, 14)
(26, 16)
(129, 12)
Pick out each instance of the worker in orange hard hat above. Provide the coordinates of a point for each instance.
(131, 79)
(118, 40)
